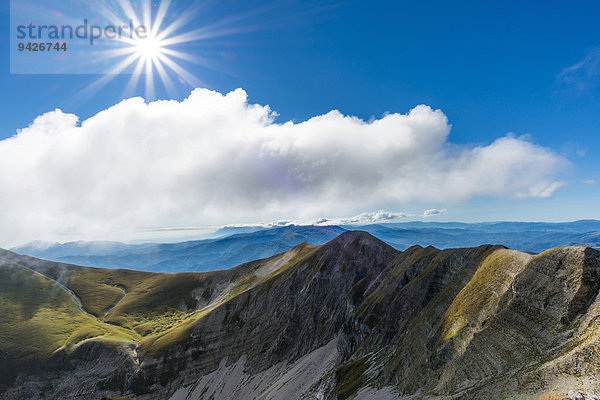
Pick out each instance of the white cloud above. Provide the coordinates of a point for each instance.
(433, 211)
(363, 218)
(214, 159)
(591, 182)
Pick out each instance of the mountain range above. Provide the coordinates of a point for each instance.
(353, 318)
(235, 245)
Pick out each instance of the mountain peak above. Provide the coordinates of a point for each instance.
(350, 236)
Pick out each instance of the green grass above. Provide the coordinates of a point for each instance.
(482, 294)
(155, 345)
(152, 302)
(158, 293)
(155, 310)
(350, 377)
(38, 317)
(45, 318)
(96, 296)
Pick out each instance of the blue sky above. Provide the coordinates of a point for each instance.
(492, 67)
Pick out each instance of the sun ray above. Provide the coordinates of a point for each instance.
(187, 16)
(149, 91)
(113, 53)
(112, 73)
(165, 79)
(134, 79)
(183, 73)
(182, 55)
(160, 16)
(109, 13)
(98, 84)
(129, 11)
(147, 15)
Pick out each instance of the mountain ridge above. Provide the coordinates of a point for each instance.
(365, 318)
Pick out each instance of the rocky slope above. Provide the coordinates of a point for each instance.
(353, 318)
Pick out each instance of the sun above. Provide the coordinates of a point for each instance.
(152, 56)
(148, 48)
(161, 56)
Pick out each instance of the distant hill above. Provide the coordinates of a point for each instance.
(245, 244)
(532, 237)
(201, 255)
(351, 319)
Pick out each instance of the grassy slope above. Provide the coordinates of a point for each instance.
(260, 273)
(144, 302)
(156, 310)
(480, 297)
(44, 317)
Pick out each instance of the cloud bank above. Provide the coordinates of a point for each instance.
(215, 159)
(364, 218)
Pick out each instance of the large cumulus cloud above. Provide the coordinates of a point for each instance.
(216, 159)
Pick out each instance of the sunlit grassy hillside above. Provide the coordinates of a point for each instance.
(41, 314)
(39, 317)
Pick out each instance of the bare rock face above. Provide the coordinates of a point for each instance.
(355, 318)
(300, 311)
(585, 395)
